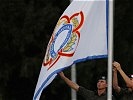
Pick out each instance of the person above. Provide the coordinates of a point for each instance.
(87, 94)
(122, 93)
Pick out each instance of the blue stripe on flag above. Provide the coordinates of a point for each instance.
(59, 70)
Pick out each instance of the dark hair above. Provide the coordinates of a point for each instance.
(102, 78)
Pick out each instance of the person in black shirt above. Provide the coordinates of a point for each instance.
(100, 94)
(122, 93)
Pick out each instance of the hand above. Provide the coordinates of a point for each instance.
(114, 69)
(117, 65)
(61, 74)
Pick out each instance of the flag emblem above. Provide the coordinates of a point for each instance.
(79, 35)
(64, 39)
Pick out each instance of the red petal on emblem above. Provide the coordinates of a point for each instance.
(49, 62)
(66, 17)
(64, 54)
(54, 62)
(81, 22)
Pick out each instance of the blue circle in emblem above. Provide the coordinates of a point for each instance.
(64, 27)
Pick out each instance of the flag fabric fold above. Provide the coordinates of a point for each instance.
(80, 34)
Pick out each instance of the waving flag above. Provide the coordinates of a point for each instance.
(80, 34)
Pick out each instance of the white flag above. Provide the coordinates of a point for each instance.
(80, 34)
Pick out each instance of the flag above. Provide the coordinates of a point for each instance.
(80, 34)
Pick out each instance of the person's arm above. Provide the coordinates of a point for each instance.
(69, 82)
(122, 73)
(115, 81)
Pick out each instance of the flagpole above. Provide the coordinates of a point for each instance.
(73, 78)
(110, 50)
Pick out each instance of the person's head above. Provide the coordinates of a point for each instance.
(102, 83)
(131, 78)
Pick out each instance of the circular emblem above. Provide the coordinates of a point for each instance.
(64, 39)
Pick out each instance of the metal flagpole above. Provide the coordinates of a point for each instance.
(73, 78)
(110, 50)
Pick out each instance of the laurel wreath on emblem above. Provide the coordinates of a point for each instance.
(68, 49)
(73, 38)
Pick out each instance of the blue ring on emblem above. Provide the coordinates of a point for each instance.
(64, 27)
